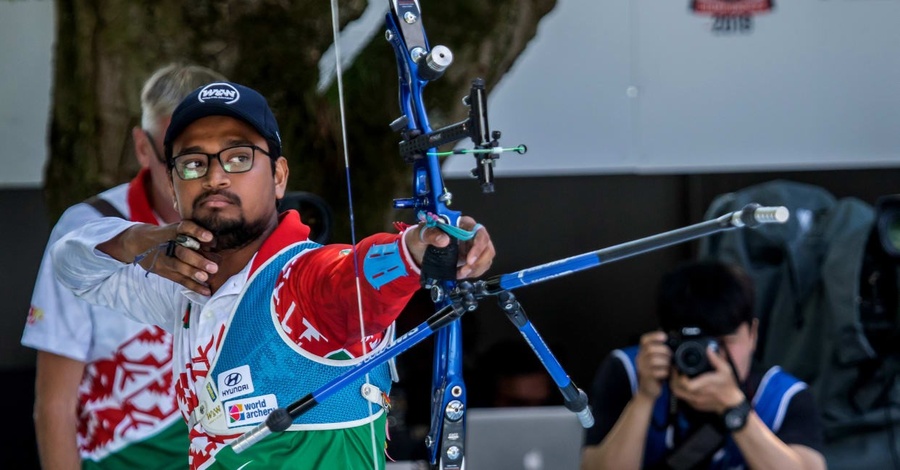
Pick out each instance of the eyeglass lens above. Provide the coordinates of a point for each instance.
(236, 159)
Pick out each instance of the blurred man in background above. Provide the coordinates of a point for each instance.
(104, 393)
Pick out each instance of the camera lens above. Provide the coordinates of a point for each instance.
(691, 359)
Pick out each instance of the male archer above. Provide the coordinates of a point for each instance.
(261, 315)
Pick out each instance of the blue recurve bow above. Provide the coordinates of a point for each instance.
(418, 64)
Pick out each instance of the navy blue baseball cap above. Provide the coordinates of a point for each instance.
(225, 99)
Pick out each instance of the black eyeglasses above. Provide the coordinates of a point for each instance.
(237, 159)
(159, 156)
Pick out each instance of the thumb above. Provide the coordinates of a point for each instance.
(717, 357)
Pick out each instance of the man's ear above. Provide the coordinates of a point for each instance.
(142, 150)
(281, 177)
(172, 190)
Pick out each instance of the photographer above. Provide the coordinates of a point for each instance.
(686, 397)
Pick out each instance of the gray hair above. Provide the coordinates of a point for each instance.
(165, 89)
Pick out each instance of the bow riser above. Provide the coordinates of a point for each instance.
(407, 36)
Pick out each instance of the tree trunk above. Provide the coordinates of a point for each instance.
(105, 49)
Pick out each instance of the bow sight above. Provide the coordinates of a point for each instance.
(418, 65)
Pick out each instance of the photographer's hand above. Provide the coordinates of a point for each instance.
(653, 363)
(622, 447)
(718, 391)
(714, 391)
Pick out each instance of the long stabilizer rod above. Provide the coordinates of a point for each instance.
(752, 215)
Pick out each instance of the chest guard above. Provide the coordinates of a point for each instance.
(259, 368)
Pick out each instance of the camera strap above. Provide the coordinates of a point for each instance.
(697, 449)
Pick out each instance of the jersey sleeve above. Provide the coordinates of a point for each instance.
(802, 424)
(58, 321)
(102, 280)
(324, 282)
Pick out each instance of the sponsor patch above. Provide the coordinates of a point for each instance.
(250, 410)
(235, 383)
(216, 413)
(211, 391)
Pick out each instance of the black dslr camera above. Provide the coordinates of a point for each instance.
(689, 346)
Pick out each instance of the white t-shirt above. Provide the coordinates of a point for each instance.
(126, 393)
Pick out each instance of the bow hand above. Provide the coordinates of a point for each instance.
(475, 255)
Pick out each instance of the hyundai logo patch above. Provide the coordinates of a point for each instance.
(233, 379)
(235, 382)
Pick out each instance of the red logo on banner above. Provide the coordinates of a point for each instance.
(731, 7)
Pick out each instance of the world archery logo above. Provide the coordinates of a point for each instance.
(731, 16)
(250, 410)
(224, 92)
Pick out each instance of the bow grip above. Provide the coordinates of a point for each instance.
(439, 264)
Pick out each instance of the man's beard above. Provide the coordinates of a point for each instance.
(229, 234)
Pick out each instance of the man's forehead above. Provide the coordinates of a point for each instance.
(219, 128)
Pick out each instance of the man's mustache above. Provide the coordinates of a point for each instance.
(232, 198)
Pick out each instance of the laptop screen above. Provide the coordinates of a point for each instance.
(529, 438)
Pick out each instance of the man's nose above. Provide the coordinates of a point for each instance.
(216, 176)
